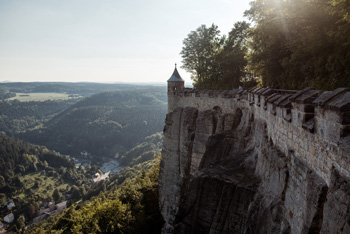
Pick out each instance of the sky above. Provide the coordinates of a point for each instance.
(103, 40)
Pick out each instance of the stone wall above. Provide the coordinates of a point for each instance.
(310, 124)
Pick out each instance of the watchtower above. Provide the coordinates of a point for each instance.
(175, 85)
(175, 82)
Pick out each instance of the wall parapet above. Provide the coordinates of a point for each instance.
(311, 123)
(307, 107)
(188, 92)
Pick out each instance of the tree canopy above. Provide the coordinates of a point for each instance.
(216, 61)
(200, 51)
(290, 45)
(300, 43)
(131, 207)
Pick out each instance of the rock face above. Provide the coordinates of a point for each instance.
(222, 173)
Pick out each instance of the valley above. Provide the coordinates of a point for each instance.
(215, 117)
(97, 138)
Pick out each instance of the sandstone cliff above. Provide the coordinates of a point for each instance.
(242, 168)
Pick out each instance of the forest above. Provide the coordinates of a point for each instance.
(113, 121)
(18, 117)
(116, 120)
(31, 176)
(283, 44)
(122, 124)
(130, 207)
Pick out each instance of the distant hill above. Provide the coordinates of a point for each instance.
(81, 88)
(142, 152)
(16, 117)
(105, 124)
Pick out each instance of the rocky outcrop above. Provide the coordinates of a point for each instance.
(337, 208)
(178, 143)
(222, 172)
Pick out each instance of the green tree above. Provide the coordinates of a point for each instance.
(342, 9)
(199, 52)
(131, 207)
(75, 191)
(56, 195)
(300, 43)
(215, 61)
(232, 58)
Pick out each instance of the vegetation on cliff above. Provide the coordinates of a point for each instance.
(131, 207)
(32, 176)
(142, 152)
(289, 44)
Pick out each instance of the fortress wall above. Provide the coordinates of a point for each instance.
(207, 100)
(315, 150)
(311, 125)
(206, 103)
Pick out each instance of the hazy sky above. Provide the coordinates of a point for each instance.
(103, 40)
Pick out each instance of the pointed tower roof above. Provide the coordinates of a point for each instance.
(175, 76)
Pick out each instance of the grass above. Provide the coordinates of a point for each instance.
(40, 97)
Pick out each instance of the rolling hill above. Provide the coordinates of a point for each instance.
(104, 125)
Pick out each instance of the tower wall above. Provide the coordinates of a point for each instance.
(175, 88)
